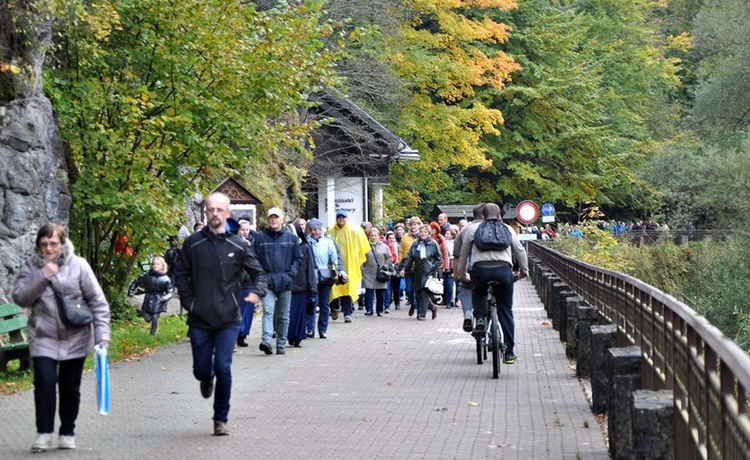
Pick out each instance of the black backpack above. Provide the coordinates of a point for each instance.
(492, 235)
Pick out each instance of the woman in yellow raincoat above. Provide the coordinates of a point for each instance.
(353, 244)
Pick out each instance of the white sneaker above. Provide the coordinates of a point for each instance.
(67, 442)
(42, 442)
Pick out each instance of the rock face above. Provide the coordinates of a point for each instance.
(33, 181)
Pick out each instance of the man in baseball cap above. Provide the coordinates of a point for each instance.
(275, 212)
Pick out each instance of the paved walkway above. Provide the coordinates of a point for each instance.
(377, 388)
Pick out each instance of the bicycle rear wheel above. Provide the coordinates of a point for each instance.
(479, 337)
(495, 343)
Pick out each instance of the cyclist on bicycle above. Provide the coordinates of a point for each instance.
(495, 265)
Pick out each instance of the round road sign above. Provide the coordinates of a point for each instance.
(527, 212)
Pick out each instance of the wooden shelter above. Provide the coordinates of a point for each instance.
(351, 161)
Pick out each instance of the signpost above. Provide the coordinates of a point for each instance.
(548, 213)
(527, 212)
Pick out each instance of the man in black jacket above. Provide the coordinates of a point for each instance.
(208, 277)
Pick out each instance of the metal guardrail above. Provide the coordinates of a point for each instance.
(708, 373)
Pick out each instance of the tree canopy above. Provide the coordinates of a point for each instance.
(158, 100)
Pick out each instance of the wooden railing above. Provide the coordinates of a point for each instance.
(708, 373)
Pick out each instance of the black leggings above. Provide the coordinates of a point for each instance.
(68, 381)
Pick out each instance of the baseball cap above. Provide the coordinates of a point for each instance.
(342, 213)
(275, 212)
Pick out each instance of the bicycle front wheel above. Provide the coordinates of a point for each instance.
(495, 344)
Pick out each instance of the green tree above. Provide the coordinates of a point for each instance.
(445, 52)
(703, 178)
(158, 99)
(577, 116)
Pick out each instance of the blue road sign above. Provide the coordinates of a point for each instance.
(548, 209)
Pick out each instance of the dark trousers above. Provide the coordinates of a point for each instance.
(66, 376)
(410, 289)
(376, 295)
(324, 307)
(396, 291)
(343, 304)
(212, 356)
(502, 274)
(247, 309)
(448, 288)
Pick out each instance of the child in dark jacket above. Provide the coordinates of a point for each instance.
(158, 290)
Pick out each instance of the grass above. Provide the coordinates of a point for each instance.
(130, 339)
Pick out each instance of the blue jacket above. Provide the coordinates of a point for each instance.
(280, 256)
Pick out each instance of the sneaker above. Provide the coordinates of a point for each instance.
(380, 314)
(266, 348)
(398, 307)
(42, 442)
(421, 318)
(280, 351)
(368, 313)
(67, 442)
(387, 310)
(242, 341)
(220, 428)
(310, 335)
(347, 319)
(207, 387)
(468, 322)
(334, 315)
(510, 357)
(480, 325)
(322, 335)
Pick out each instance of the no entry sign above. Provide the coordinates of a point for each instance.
(527, 211)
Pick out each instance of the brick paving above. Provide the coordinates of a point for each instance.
(377, 388)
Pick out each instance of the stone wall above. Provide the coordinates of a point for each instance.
(33, 181)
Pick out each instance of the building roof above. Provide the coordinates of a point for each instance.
(455, 212)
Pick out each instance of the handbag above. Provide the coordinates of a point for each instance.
(74, 312)
(383, 274)
(326, 276)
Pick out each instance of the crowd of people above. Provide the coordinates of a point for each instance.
(303, 276)
(300, 274)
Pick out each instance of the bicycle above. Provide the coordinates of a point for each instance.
(492, 338)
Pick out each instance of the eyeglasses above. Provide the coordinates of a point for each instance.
(50, 244)
(215, 210)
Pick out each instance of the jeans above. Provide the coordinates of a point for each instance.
(324, 310)
(502, 274)
(68, 382)
(377, 295)
(463, 293)
(448, 288)
(276, 307)
(212, 356)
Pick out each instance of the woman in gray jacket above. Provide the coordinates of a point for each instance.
(58, 351)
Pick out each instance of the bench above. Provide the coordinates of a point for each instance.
(14, 343)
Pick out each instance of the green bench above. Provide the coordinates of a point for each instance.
(14, 343)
